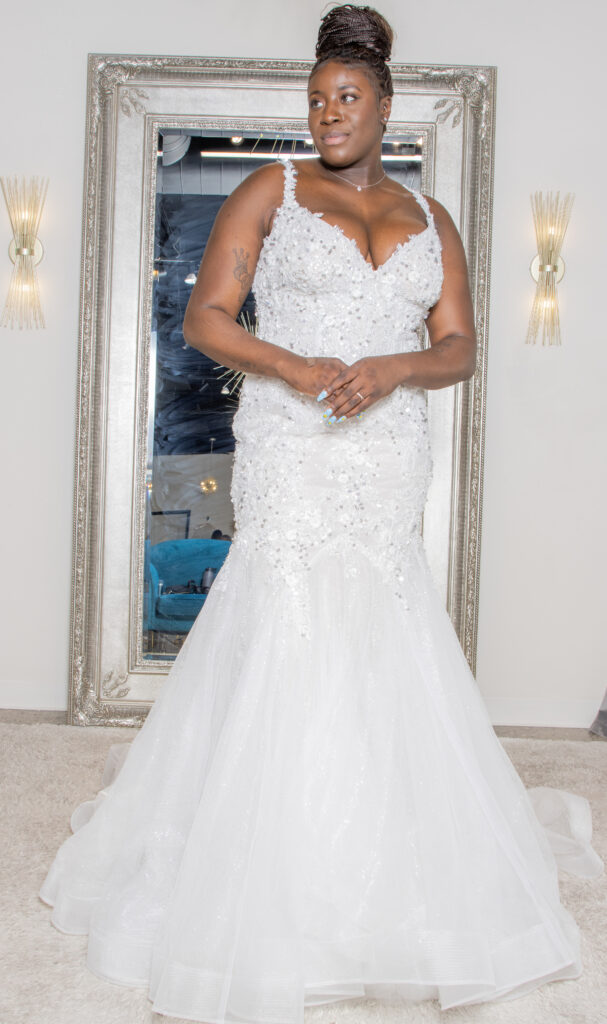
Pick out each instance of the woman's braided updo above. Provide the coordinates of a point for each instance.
(357, 35)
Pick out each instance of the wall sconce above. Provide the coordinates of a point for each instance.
(551, 217)
(24, 202)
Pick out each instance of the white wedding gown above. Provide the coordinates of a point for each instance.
(317, 806)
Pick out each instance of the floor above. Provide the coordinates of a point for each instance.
(49, 769)
(19, 717)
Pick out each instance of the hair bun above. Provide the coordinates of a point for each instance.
(350, 27)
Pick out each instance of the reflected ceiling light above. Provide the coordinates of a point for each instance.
(190, 279)
(24, 202)
(229, 154)
(550, 217)
(208, 485)
(237, 140)
(308, 142)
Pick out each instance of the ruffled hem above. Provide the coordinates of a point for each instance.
(301, 822)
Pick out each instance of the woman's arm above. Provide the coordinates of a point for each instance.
(226, 274)
(451, 356)
(223, 283)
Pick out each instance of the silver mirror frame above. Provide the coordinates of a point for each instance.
(128, 98)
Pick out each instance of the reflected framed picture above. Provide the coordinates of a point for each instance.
(173, 527)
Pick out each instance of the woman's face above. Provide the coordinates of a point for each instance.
(345, 113)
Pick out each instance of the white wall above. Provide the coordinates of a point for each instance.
(542, 650)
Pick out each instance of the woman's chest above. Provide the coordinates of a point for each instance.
(305, 253)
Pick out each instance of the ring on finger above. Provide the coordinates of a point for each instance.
(362, 397)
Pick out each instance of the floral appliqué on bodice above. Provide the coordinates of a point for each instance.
(301, 487)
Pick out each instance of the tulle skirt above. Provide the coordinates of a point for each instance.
(304, 819)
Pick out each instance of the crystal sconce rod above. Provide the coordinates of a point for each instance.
(24, 202)
(551, 217)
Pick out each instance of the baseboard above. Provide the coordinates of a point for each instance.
(569, 714)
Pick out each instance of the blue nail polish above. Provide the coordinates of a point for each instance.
(323, 394)
(332, 419)
(327, 413)
(341, 418)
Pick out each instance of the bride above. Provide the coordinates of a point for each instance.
(317, 807)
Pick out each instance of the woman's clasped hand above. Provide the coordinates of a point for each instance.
(358, 386)
(347, 390)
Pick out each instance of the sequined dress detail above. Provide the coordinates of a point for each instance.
(317, 807)
(302, 488)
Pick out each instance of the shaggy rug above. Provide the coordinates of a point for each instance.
(47, 769)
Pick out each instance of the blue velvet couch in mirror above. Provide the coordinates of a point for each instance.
(175, 563)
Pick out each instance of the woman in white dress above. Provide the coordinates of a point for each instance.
(317, 807)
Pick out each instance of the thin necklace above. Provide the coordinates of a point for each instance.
(358, 188)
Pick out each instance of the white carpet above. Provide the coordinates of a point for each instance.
(47, 769)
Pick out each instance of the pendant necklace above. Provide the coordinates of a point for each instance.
(358, 188)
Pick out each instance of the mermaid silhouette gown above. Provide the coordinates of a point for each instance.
(317, 807)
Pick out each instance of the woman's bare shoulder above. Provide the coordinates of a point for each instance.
(265, 183)
(452, 245)
(258, 196)
(440, 213)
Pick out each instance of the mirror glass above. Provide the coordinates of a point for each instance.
(189, 519)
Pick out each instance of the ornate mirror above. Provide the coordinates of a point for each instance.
(168, 138)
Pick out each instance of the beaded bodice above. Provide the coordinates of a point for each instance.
(332, 300)
(317, 295)
(301, 486)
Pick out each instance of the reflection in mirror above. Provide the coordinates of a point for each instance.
(192, 400)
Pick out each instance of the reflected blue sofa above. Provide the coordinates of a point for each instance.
(175, 563)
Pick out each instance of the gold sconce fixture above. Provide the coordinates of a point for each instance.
(24, 202)
(550, 217)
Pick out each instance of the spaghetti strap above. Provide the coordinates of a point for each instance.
(425, 205)
(289, 185)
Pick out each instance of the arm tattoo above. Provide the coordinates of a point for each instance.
(241, 272)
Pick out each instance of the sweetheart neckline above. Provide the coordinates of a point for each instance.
(289, 190)
(368, 263)
(319, 215)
